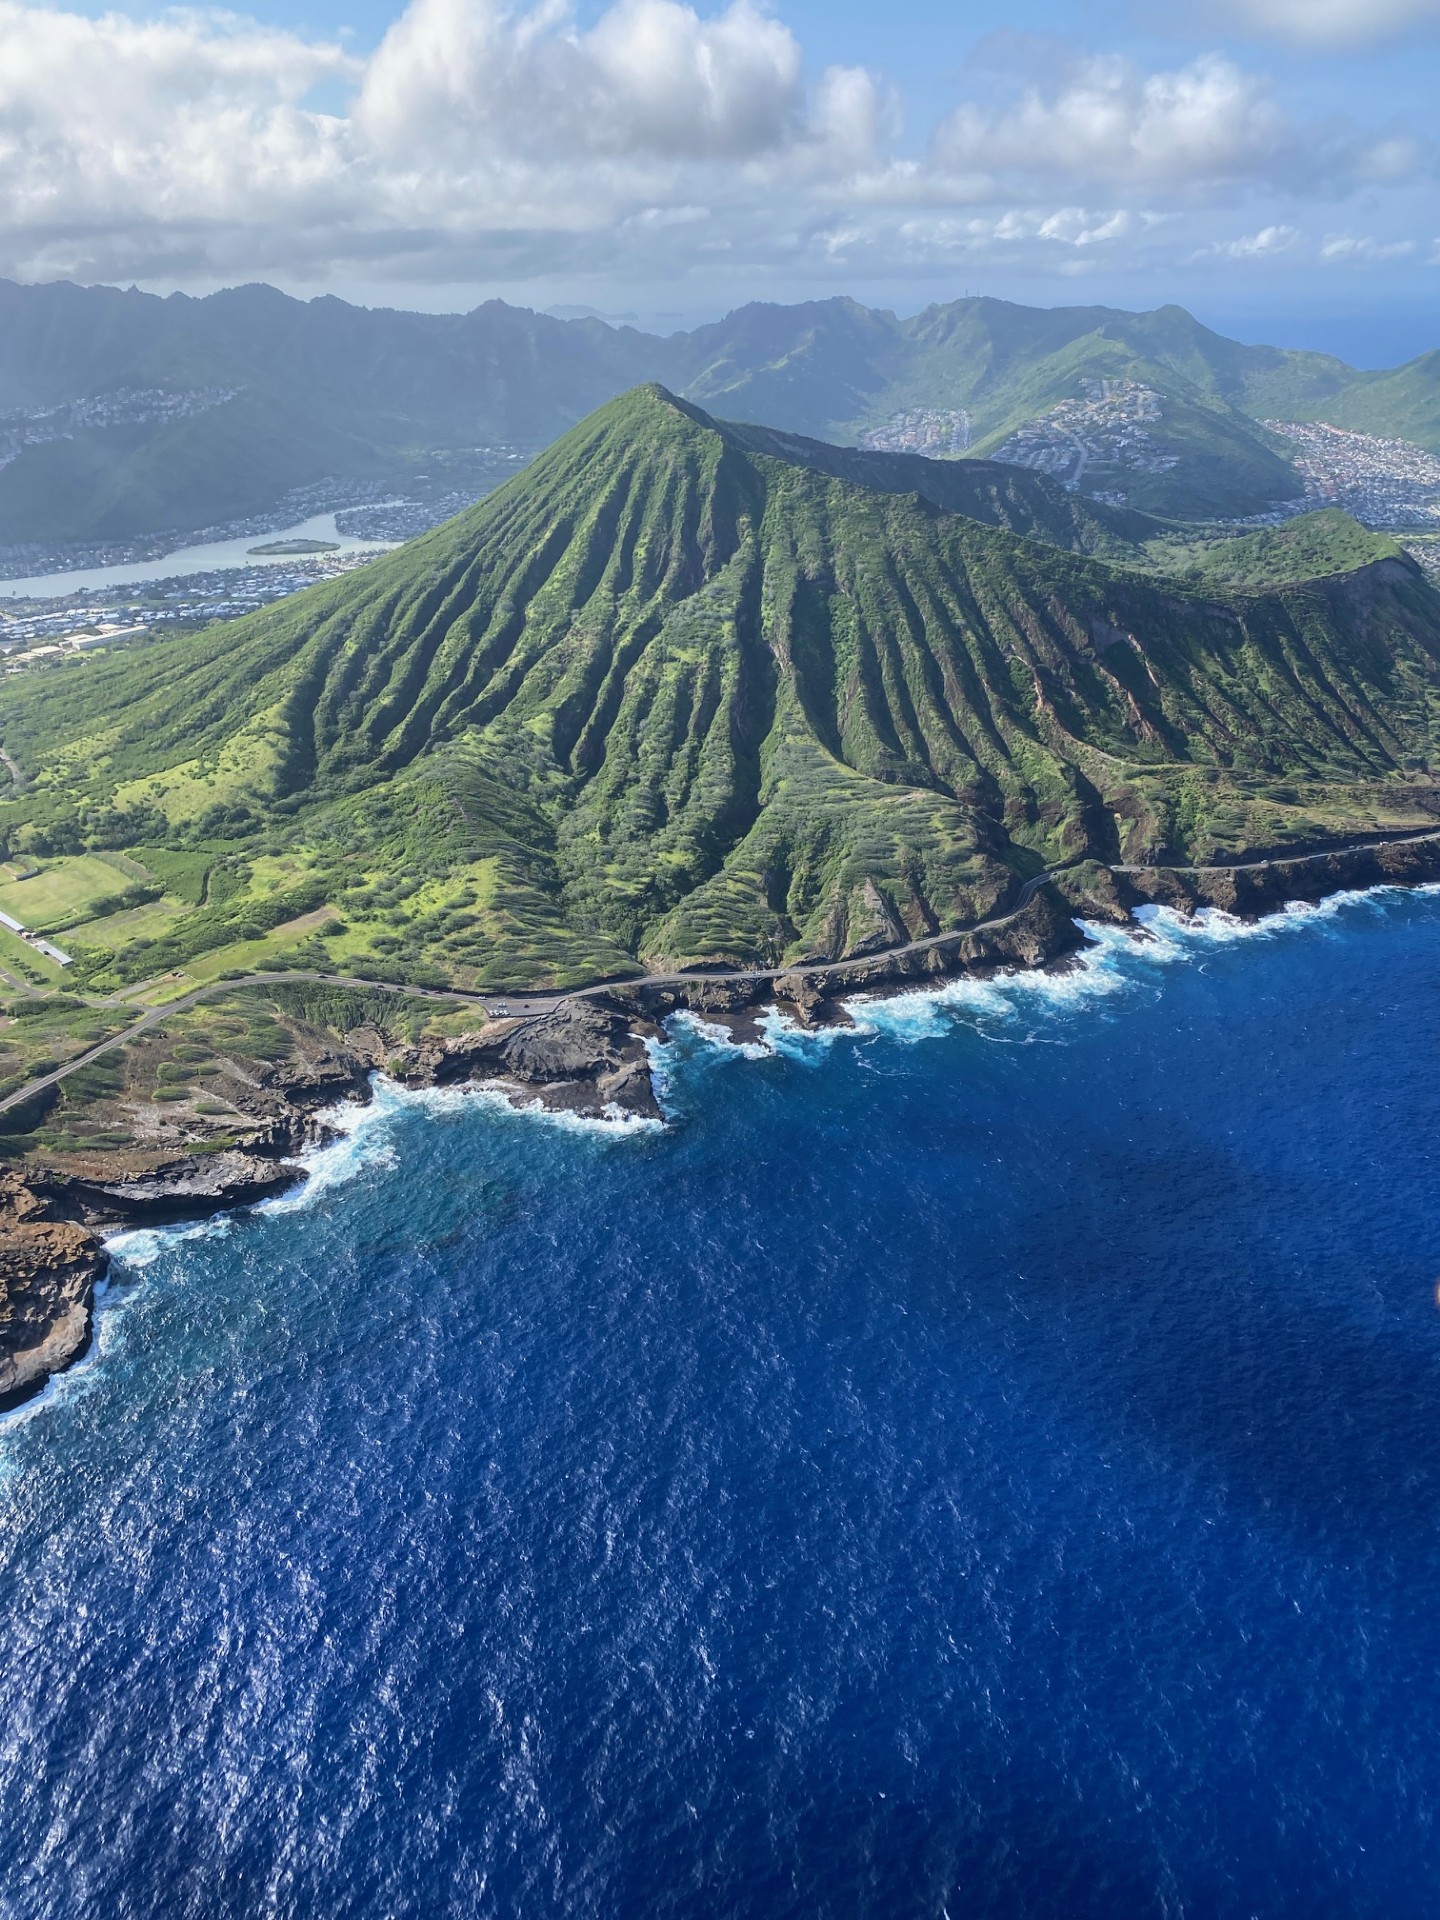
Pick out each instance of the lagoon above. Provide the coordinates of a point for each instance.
(214, 557)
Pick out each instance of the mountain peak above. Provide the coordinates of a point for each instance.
(689, 691)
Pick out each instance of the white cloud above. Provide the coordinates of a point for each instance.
(471, 77)
(1362, 249)
(1193, 128)
(1028, 233)
(151, 147)
(1334, 22)
(171, 120)
(492, 141)
(1263, 245)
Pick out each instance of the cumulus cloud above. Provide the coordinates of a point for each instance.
(1107, 120)
(499, 140)
(1334, 22)
(471, 77)
(1263, 245)
(172, 119)
(130, 147)
(1191, 129)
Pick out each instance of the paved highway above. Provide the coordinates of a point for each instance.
(529, 1006)
(520, 1006)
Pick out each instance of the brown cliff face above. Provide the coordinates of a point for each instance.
(584, 1057)
(1260, 888)
(48, 1270)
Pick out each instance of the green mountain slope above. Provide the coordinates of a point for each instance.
(228, 462)
(321, 389)
(665, 696)
(992, 491)
(832, 368)
(1401, 403)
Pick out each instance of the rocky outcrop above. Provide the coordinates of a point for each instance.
(586, 1056)
(1263, 887)
(48, 1271)
(1040, 932)
(183, 1189)
(323, 1079)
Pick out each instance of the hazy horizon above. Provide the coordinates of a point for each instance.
(1366, 341)
(1268, 164)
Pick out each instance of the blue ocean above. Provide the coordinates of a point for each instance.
(984, 1462)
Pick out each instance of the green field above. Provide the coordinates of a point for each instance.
(119, 930)
(64, 888)
(272, 952)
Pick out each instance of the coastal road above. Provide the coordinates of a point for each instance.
(156, 1015)
(519, 1006)
(529, 1006)
(1365, 844)
(524, 1005)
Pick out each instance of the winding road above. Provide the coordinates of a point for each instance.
(530, 1006)
(518, 1006)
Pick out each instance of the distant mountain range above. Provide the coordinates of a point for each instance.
(123, 414)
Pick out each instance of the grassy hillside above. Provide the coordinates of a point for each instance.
(668, 697)
(1402, 403)
(991, 491)
(1309, 547)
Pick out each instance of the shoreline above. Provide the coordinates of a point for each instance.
(587, 1053)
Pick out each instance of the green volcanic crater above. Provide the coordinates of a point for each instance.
(687, 692)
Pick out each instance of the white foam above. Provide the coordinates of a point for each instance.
(720, 1038)
(784, 1035)
(505, 1100)
(1174, 934)
(139, 1246)
(366, 1131)
(998, 1002)
(363, 1140)
(106, 1334)
(1113, 961)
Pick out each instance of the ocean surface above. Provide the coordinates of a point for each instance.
(985, 1463)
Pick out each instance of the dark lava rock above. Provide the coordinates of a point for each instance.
(584, 1057)
(323, 1080)
(1260, 888)
(582, 1040)
(48, 1270)
(184, 1189)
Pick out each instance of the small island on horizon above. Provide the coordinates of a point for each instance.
(276, 549)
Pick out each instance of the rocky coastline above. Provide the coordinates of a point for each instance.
(49, 1267)
(588, 1055)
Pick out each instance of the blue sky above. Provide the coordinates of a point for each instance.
(1269, 163)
